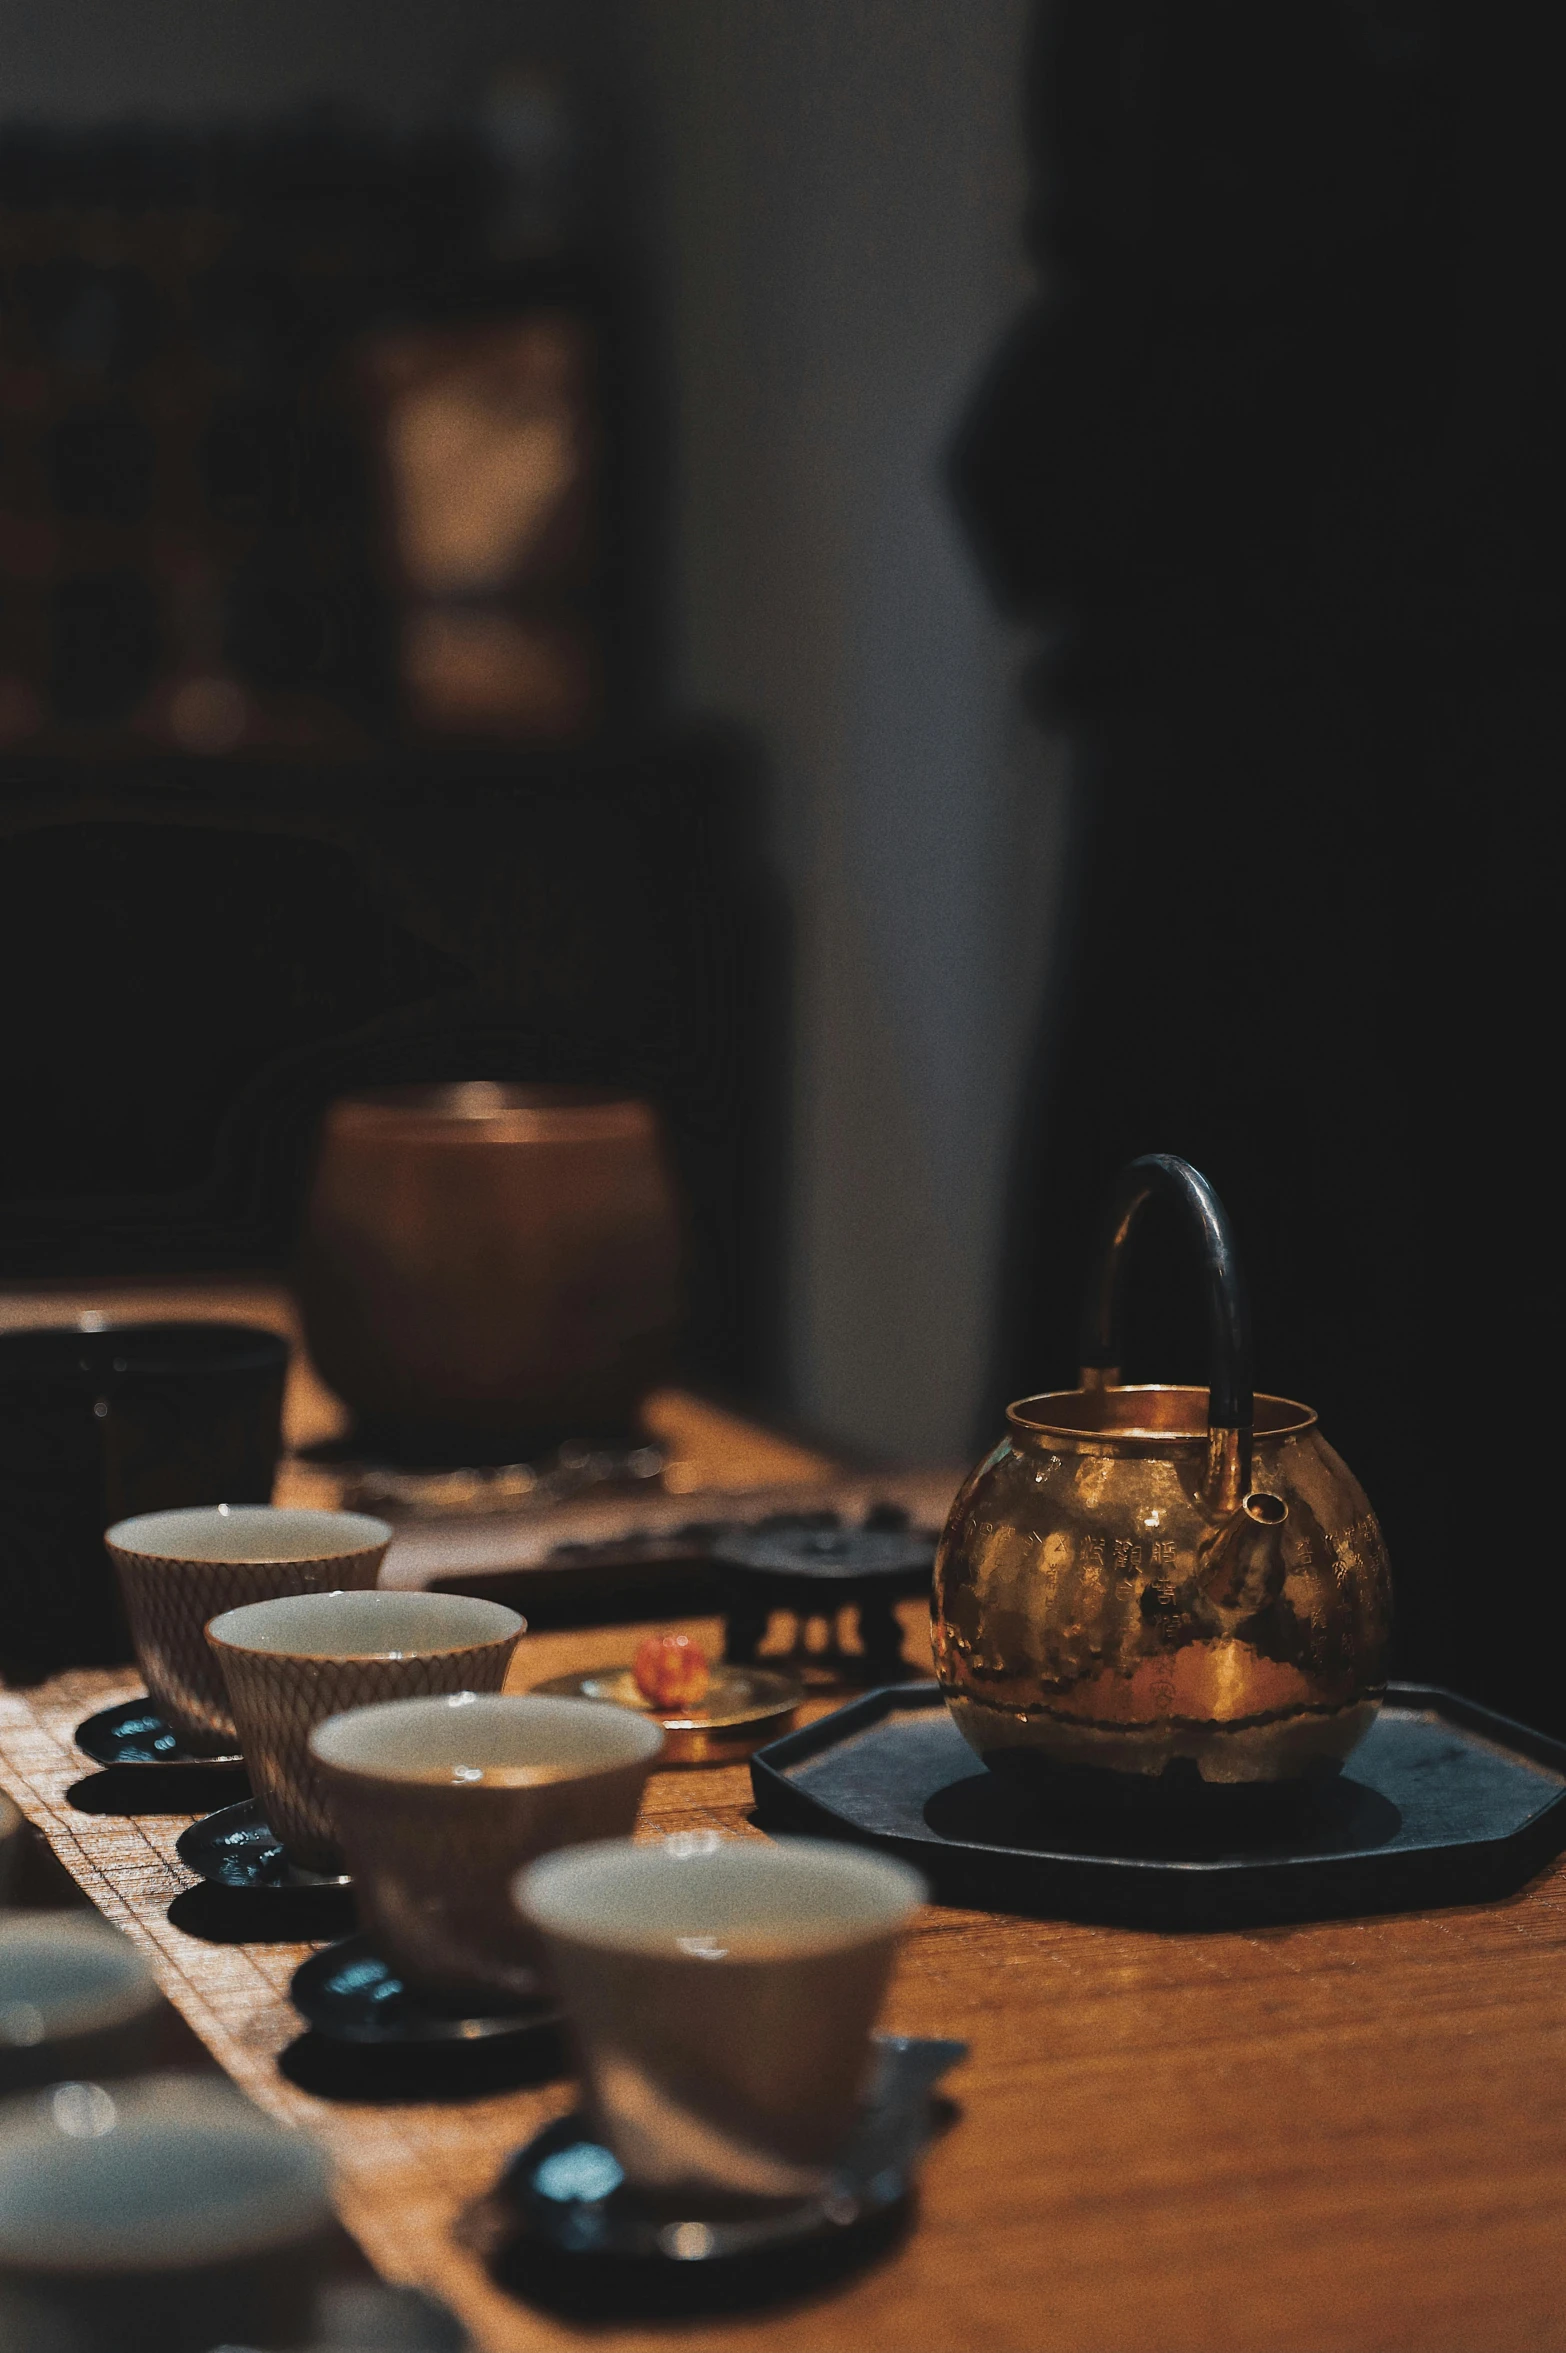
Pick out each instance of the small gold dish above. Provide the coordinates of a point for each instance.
(743, 1707)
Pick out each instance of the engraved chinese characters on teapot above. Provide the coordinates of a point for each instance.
(1162, 1587)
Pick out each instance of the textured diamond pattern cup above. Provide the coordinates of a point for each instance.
(178, 1569)
(289, 1664)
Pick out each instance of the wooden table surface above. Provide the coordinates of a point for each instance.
(1350, 2135)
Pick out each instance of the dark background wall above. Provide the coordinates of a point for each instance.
(174, 58)
(205, 229)
(815, 207)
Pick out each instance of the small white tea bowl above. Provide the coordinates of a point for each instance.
(164, 2216)
(722, 1993)
(438, 1803)
(76, 1998)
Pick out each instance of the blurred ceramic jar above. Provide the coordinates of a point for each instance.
(493, 1262)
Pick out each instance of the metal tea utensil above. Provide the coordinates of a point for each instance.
(1161, 1589)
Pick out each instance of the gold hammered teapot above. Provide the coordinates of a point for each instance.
(1160, 1589)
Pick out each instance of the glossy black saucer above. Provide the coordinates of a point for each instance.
(237, 1848)
(133, 1733)
(564, 2228)
(349, 1994)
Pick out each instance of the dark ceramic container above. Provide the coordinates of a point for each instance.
(98, 1425)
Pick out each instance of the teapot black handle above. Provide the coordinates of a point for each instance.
(1230, 1401)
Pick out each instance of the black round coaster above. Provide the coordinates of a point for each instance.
(564, 2233)
(133, 1733)
(237, 1848)
(349, 1994)
(564, 2227)
(568, 2191)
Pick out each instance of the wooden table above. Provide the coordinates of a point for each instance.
(1351, 2135)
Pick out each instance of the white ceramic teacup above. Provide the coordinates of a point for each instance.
(165, 2216)
(722, 1993)
(76, 1998)
(438, 1803)
(291, 1663)
(178, 1569)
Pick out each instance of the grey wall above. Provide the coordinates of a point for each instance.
(842, 187)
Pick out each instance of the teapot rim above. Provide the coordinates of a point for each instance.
(1090, 1415)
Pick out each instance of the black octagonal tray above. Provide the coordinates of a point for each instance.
(1443, 1802)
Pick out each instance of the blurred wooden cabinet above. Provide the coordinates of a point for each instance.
(298, 453)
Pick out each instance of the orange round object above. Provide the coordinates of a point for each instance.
(670, 1671)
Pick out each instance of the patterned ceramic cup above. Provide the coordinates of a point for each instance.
(167, 2213)
(290, 1664)
(439, 1803)
(722, 1993)
(76, 1999)
(177, 1569)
